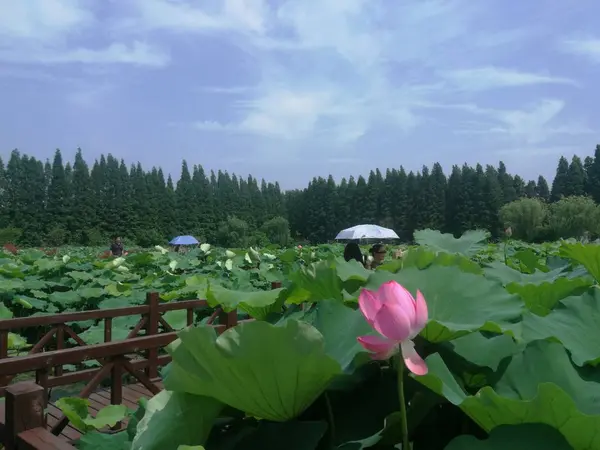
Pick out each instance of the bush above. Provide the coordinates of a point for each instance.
(277, 231)
(57, 236)
(573, 217)
(150, 238)
(526, 217)
(233, 233)
(10, 234)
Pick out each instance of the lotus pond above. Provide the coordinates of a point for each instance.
(511, 346)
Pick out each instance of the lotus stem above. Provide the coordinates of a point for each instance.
(330, 419)
(403, 415)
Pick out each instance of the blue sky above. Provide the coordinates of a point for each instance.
(291, 89)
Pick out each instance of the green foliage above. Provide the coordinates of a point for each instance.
(76, 409)
(92, 203)
(525, 216)
(510, 345)
(9, 235)
(573, 217)
(56, 236)
(277, 231)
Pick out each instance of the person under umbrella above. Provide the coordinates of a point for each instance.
(352, 252)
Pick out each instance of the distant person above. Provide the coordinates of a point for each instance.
(377, 255)
(352, 252)
(377, 252)
(116, 248)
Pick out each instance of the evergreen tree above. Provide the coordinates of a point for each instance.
(542, 190)
(58, 203)
(62, 202)
(560, 185)
(575, 183)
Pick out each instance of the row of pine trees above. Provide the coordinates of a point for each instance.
(55, 203)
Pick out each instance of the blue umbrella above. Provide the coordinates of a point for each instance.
(184, 240)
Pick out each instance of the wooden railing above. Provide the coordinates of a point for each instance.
(24, 427)
(151, 322)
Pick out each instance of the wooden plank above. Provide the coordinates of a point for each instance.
(106, 394)
(41, 439)
(54, 415)
(98, 400)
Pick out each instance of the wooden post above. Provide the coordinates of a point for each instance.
(152, 300)
(25, 404)
(228, 319)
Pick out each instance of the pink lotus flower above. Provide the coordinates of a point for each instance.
(299, 247)
(395, 314)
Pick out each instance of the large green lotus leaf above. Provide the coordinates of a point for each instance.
(483, 351)
(229, 300)
(530, 261)
(542, 298)
(175, 418)
(530, 436)
(351, 270)
(95, 440)
(577, 326)
(267, 371)
(458, 302)
(5, 313)
(586, 255)
(422, 258)
(317, 281)
(468, 244)
(499, 271)
(340, 326)
(539, 386)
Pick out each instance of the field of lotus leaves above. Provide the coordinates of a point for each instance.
(511, 345)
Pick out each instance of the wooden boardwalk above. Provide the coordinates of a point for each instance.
(28, 422)
(98, 400)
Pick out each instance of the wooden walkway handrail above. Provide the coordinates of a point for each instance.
(46, 360)
(111, 313)
(55, 339)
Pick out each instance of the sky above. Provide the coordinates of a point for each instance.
(287, 90)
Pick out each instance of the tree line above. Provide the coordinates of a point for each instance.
(58, 203)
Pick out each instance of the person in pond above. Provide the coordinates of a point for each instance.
(377, 255)
(352, 252)
(116, 248)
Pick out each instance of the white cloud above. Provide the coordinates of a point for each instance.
(42, 31)
(139, 53)
(302, 46)
(530, 125)
(588, 48)
(42, 20)
(295, 101)
(327, 70)
(490, 77)
(182, 17)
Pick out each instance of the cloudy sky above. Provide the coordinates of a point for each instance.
(291, 89)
